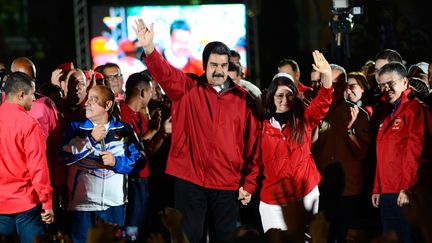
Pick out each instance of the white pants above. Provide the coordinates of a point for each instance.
(272, 217)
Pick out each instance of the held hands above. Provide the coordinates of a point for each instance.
(403, 198)
(244, 196)
(145, 35)
(323, 67)
(48, 216)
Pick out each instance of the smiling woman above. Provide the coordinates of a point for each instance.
(290, 173)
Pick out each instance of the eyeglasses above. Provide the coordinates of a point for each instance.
(112, 77)
(389, 84)
(353, 86)
(93, 99)
(289, 96)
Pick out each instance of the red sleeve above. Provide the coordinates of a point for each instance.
(173, 81)
(252, 153)
(38, 166)
(416, 138)
(377, 183)
(319, 106)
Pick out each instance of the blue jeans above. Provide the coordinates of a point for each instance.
(81, 221)
(28, 224)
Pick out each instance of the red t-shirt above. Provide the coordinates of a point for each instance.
(139, 124)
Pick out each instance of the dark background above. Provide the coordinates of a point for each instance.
(44, 32)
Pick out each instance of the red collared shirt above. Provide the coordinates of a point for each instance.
(137, 121)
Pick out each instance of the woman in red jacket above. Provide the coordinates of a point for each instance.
(290, 173)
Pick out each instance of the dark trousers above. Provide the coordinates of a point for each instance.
(138, 207)
(195, 203)
(28, 224)
(346, 216)
(392, 218)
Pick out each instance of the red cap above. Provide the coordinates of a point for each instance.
(87, 74)
(98, 75)
(66, 67)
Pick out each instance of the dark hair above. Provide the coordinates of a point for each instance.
(360, 78)
(390, 55)
(136, 82)
(215, 47)
(99, 68)
(234, 67)
(394, 67)
(109, 65)
(179, 25)
(294, 65)
(16, 82)
(295, 114)
(234, 53)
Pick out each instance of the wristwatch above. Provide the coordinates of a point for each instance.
(351, 131)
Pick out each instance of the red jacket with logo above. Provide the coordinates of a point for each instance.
(289, 164)
(215, 136)
(400, 144)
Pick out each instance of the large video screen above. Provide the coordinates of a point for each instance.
(181, 33)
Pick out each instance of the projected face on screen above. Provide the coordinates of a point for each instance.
(181, 33)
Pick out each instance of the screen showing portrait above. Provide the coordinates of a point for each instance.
(181, 33)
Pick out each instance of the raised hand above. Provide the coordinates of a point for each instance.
(323, 67)
(55, 77)
(167, 126)
(145, 35)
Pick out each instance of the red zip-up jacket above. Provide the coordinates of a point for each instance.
(215, 137)
(24, 175)
(287, 163)
(400, 145)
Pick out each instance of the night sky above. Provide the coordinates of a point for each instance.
(44, 32)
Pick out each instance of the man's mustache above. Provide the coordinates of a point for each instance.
(218, 75)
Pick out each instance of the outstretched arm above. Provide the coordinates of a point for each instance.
(319, 106)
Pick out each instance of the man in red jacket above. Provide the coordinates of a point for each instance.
(26, 193)
(215, 139)
(400, 147)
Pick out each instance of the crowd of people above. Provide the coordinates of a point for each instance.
(173, 156)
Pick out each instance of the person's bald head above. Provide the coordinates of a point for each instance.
(25, 65)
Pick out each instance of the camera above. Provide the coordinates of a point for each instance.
(342, 16)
